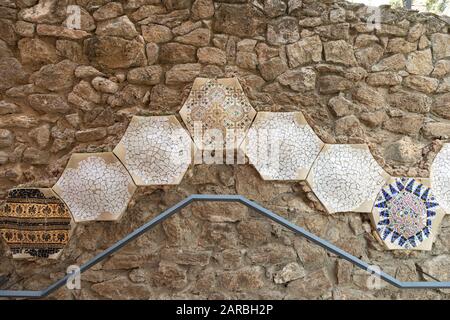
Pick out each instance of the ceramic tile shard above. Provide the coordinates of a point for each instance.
(281, 145)
(35, 223)
(406, 214)
(440, 177)
(346, 178)
(217, 105)
(95, 186)
(155, 150)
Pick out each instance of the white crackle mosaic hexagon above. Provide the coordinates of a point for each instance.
(281, 145)
(217, 106)
(155, 150)
(95, 186)
(406, 214)
(346, 178)
(440, 177)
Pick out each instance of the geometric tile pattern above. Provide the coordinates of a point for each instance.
(281, 145)
(155, 150)
(406, 215)
(346, 178)
(440, 177)
(35, 223)
(218, 105)
(95, 186)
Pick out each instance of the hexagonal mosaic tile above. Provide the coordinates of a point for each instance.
(155, 150)
(406, 214)
(346, 177)
(281, 145)
(35, 223)
(95, 186)
(440, 177)
(217, 104)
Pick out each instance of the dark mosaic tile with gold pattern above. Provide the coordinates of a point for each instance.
(35, 223)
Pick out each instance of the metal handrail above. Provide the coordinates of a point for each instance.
(225, 198)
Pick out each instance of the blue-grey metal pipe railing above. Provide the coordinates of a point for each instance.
(225, 198)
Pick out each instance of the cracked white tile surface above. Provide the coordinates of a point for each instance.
(440, 177)
(155, 150)
(346, 178)
(95, 186)
(281, 145)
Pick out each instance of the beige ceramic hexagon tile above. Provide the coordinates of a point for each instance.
(281, 145)
(217, 106)
(95, 187)
(35, 223)
(406, 214)
(155, 150)
(346, 177)
(440, 177)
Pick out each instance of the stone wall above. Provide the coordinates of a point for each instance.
(64, 91)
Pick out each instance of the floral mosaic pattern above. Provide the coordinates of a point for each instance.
(35, 223)
(404, 214)
(217, 105)
(95, 186)
(155, 150)
(282, 146)
(346, 178)
(440, 177)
